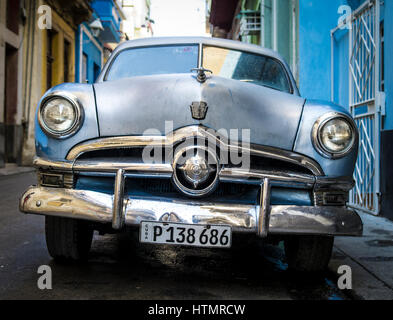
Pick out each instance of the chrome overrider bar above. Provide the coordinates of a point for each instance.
(98, 207)
(120, 210)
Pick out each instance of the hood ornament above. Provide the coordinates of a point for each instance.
(201, 77)
(199, 110)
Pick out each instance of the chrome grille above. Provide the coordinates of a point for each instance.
(134, 155)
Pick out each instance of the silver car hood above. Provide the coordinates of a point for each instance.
(142, 105)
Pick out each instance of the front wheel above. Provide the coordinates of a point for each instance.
(308, 253)
(68, 239)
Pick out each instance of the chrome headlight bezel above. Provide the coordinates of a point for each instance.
(317, 140)
(77, 123)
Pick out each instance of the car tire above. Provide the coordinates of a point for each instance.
(308, 253)
(68, 239)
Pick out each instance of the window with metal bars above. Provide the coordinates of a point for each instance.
(250, 22)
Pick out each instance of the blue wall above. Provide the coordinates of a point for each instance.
(316, 19)
(93, 53)
(388, 123)
(110, 18)
(341, 71)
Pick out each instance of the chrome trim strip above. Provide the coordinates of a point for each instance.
(44, 164)
(88, 166)
(264, 209)
(118, 219)
(190, 132)
(97, 207)
(164, 170)
(287, 178)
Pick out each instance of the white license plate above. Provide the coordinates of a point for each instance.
(210, 236)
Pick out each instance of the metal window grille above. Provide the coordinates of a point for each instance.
(365, 102)
(250, 23)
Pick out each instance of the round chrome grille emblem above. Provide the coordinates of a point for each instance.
(195, 171)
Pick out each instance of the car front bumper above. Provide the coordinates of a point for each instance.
(123, 210)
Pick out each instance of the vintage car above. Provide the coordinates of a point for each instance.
(190, 140)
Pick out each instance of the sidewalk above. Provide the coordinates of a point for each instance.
(370, 258)
(12, 168)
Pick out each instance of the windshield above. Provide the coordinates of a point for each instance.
(246, 67)
(154, 60)
(227, 63)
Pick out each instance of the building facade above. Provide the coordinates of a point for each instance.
(103, 27)
(138, 23)
(11, 73)
(336, 49)
(89, 53)
(343, 57)
(49, 48)
(44, 43)
(270, 23)
(111, 16)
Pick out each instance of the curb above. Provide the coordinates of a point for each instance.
(6, 172)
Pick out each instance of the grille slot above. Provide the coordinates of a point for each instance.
(262, 163)
(225, 192)
(164, 187)
(135, 155)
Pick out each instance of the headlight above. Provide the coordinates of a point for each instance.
(334, 135)
(60, 115)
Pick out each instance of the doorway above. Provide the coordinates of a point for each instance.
(12, 154)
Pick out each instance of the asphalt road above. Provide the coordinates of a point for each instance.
(121, 268)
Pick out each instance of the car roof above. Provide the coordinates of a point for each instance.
(230, 44)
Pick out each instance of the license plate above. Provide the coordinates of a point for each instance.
(210, 236)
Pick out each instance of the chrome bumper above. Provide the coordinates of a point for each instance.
(123, 210)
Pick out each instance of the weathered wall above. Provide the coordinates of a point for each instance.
(35, 69)
(2, 74)
(11, 131)
(32, 90)
(388, 22)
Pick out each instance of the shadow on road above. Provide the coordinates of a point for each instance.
(125, 269)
